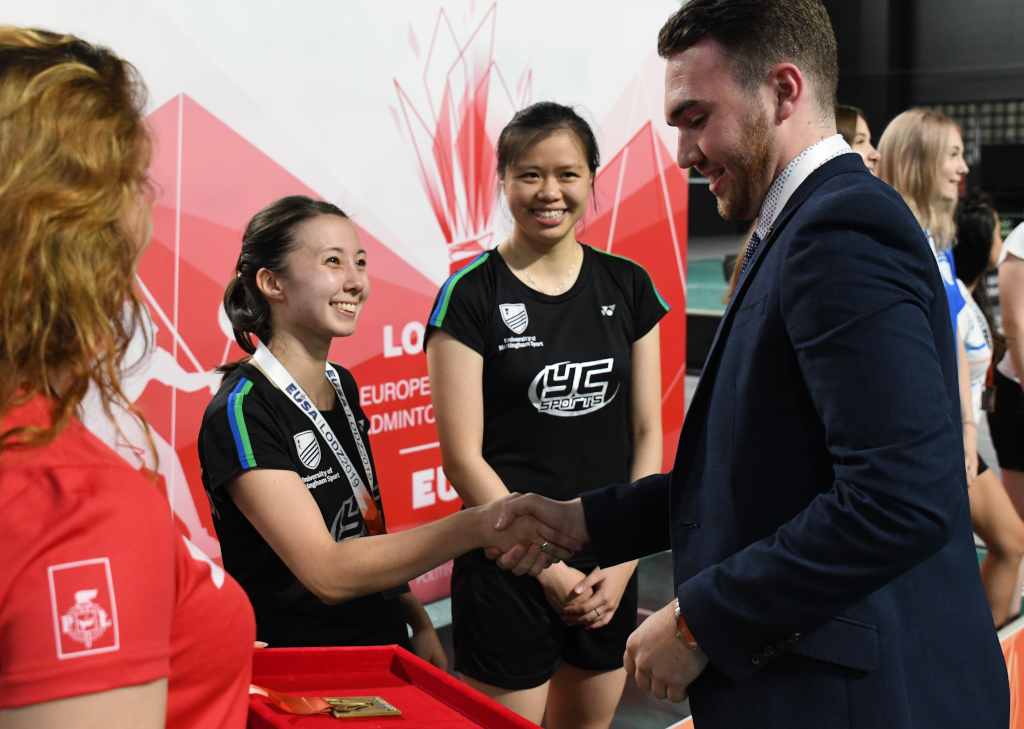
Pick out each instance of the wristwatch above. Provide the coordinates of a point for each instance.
(683, 633)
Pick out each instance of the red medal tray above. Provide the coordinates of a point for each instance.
(426, 696)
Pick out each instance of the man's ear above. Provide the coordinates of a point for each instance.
(789, 90)
(269, 284)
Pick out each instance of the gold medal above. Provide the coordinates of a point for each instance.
(345, 707)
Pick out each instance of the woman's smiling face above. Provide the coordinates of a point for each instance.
(952, 168)
(548, 188)
(326, 283)
(862, 144)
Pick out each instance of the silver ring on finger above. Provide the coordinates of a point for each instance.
(544, 546)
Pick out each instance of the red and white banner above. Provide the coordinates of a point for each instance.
(390, 110)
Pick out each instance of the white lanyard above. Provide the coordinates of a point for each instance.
(277, 374)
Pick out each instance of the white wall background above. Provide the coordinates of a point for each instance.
(309, 82)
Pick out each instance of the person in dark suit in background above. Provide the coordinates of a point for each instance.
(817, 509)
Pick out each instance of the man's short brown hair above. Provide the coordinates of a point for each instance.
(760, 34)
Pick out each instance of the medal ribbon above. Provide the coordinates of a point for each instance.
(287, 384)
(292, 704)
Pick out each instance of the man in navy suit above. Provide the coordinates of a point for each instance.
(817, 510)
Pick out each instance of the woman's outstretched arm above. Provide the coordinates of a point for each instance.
(285, 514)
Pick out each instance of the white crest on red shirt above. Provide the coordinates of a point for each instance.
(84, 609)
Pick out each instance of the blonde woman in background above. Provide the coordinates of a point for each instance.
(921, 154)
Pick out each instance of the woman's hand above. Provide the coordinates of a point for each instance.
(425, 642)
(560, 583)
(971, 451)
(427, 646)
(606, 587)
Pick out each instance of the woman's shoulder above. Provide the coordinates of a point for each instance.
(81, 474)
(480, 269)
(616, 265)
(76, 445)
(627, 274)
(475, 270)
(243, 389)
(471, 283)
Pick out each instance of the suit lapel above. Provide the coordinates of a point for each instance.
(700, 396)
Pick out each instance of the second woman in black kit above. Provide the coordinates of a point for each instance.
(544, 367)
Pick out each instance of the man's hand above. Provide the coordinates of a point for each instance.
(525, 544)
(660, 661)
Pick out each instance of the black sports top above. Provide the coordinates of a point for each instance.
(252, 424)
(557, 369)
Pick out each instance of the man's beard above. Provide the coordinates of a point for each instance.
(748, 171)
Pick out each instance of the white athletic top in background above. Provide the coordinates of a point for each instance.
(974, 332)
(1014, 243)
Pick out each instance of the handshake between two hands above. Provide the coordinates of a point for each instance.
(531, 532)
(528, 533)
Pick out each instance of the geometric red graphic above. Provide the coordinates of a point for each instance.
(642, 201)
(453, 136)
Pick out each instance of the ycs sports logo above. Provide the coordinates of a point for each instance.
(568, 389)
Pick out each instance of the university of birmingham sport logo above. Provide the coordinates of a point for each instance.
(568, 389)
(308, 448)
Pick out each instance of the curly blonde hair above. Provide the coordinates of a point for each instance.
(911, 151)
(74, 153)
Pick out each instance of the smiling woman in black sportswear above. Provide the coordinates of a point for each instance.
(545, 374)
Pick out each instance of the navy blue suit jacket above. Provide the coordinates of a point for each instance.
(817, 510)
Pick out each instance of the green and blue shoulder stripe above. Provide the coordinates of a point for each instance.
(444, 298)
(237, 420)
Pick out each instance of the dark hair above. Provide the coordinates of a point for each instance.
(268, 239)
(975, 219)
(760, 34)
(846, 121)
(539, 121)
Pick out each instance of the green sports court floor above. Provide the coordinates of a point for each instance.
(705, 286)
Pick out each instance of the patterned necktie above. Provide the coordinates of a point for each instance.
(752, 244)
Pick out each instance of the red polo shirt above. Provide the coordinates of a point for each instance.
(99, 590)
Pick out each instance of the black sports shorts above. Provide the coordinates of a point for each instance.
(1007, 423)
(505, 634)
